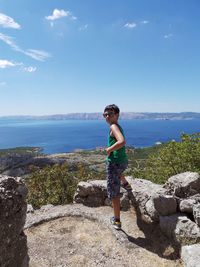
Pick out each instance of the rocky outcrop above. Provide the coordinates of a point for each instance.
(175, 206)
(13, 247)
(184, 184)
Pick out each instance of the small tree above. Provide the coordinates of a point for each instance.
(173, 158)
(56, 184)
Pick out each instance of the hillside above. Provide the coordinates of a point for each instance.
(123, 115)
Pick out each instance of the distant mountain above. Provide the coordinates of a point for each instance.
(123, 115)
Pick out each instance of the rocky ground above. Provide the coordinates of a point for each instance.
(75, 235)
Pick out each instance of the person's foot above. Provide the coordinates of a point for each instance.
(116, 223)
(126, 186)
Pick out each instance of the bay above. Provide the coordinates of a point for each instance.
(67, 135)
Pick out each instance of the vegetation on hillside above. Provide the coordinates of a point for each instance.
(170, 159)
(56, 184)
(20, 151)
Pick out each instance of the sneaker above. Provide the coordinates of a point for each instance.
(126, 186)
(116, 224)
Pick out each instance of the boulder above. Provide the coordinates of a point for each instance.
(186, 205)
(165, 204)
(184, 184)
(146, 194)
(91, 193)
(180, 228)
(13, 207)
(190, 255)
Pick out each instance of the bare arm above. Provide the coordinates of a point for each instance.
(119, 137)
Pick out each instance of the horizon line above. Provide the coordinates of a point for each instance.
(96, 112)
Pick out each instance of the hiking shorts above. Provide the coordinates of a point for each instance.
(114, 172)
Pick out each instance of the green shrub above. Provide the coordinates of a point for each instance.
(56, 184)
(172, 158)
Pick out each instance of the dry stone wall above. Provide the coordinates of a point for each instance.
(175, 206)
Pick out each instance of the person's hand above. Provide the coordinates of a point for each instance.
(108, 151)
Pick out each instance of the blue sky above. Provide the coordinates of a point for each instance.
(68, 56)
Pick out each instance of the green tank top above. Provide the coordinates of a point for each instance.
(119, 155)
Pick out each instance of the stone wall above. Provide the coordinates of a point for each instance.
(175, 206)
(13, 245)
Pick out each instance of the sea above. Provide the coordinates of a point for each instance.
(59, 136)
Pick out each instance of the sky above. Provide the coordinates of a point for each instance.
(66, 56)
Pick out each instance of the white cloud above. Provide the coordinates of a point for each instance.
(130, 25)
(30, 69)
(83, 28)
(35, 54)
(144, 22)
(4, 63)
(167, 36)
(9, 41)
(8, 22)
(57, 14)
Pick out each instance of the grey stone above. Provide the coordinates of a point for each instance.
(84, 189)
(165, 204)
(184, 184)
(144, 192)
(190, 255)
(186, 205)
(30, 208)
(196, 213)
(46, 207)
(180, 228)
(92, 193)
(13, 207)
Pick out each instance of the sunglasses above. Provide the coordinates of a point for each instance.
(109, 114)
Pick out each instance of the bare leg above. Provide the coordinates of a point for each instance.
(124, 183)
(116, 207)
(123, 179)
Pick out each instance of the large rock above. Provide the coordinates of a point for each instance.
(165, 204)
(91, 193)
(187, 204)
(94, 194)
(191, 255)
(184, 184)
(180, 228)
(13, 207)
(151, 199)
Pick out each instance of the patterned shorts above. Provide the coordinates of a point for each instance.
(114, 171)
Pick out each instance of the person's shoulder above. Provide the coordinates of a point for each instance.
(115, 126)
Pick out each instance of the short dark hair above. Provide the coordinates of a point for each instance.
(112, 107)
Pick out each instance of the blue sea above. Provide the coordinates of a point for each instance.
(67, 135)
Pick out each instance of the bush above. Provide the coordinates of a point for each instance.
(173, 158)
(56, 184)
